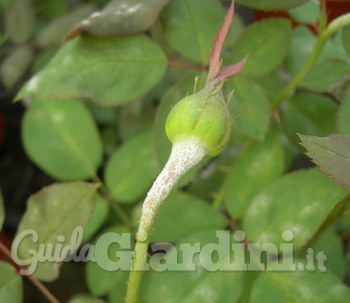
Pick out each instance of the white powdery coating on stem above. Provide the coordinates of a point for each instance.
(184, 155)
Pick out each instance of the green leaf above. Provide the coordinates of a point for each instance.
(251, 172)
(343, 225)
(294, 287)
(2, 211)
(346, 39)
(271, 83)
(104, 116)
(298, 202)
(42, 59)
(302, 45)
(53, 34)
(20, 21)
(236, 29)
(109, 139)
(97, 218)
(209, 180)
(121, 17)
(15, 65)
(320, 79)
(11, 289)
(3, 39)
(134, 118)
(334, 49)
(331, 154)
(330, 243)
(84, 298)
(99, 280)
(250, 108)
(308, 13)
(196, 286)
(272, 4)
(343, 116)
(61, 137)
(266, 43)
(309, 114)
(193, 215)
(190, 27)
(109, 71)
(53, 212)
(53, 9)
(131, 169)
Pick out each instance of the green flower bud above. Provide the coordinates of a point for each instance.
(204, 116)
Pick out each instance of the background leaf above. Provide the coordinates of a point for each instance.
(53, 9)
(121, 17)
(15, 65)
(84, 298)
(266, 44)
(343, 116)
(302, 44)
(272, 4)
(97, 218)
(298, 202)
(131, 169)
(190, 27)
(320, 79)
(55, 211)
(10, 284)
(334, 49)
(194, 215)
(252, 171)
(271, 83)
(195, 286)
(134, 118)
(331, 244)
(308, 13)
(53, 34)
(309, 114)
(293, 287)
(331, 154)
(250, 108)
(346, 39)
(109, 71)
(20, 21)
(99, 280)
(61, 137)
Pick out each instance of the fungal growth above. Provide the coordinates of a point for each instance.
(199, 126)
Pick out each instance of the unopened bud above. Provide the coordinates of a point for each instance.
(204, 116)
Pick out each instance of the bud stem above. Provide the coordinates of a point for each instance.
(184, 155)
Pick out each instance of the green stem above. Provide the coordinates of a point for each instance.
(324, 34)
(135, 277)
(336, 25)
(184, 155)
(290, 88)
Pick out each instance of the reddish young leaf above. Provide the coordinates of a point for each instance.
(215, 60)
(231, 70)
